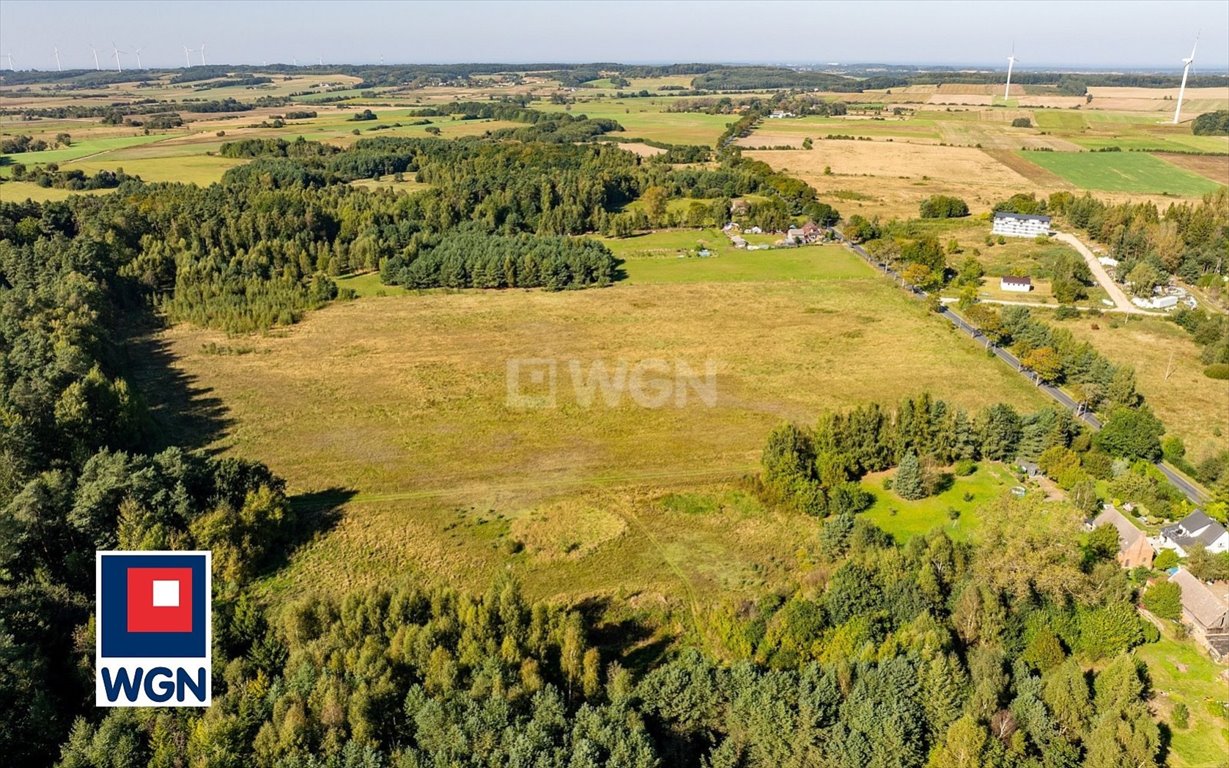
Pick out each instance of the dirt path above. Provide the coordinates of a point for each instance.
(1119, 297)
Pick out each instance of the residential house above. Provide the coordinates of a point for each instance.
(1016, 284)
(1205, 609)
(1134, 551)
(1196, 528)
(1019, 224)
(812, 231)
(740, 206)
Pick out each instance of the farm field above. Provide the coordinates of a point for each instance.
(1122, 172)
(402, 401)
(1169, 374)
(894, 177)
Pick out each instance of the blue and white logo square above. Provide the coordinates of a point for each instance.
(154, 629)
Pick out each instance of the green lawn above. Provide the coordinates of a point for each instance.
(1205, 743)
(1122, 172)
(368, 284)
(906, 519)
(668, 257)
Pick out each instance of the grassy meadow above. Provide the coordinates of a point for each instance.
(1168, 373)
(398, 406)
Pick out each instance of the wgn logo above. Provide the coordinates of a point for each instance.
(154, 629)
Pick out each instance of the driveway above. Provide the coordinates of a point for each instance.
(1121, 302)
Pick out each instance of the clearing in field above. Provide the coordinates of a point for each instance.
(398, 407)
(1122, 172)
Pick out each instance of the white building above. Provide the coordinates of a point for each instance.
(1016, 284)
(1020, 224)
(1156, 302)
(1195, 528)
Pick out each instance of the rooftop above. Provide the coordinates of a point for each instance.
(1128, 534)
(1021, 216)
(1206, 605)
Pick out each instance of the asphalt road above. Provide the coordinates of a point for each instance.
(1184, 485)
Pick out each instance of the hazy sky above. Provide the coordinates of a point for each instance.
(1100, 34)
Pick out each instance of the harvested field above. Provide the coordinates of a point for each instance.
(1214, 167)
(898, 175)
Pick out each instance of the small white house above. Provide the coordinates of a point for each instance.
(1195, 528)
(1016, 284)
(1020, 224)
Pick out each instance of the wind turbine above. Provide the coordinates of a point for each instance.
(1011, 62)
(1186, 70)
(58, 68)
(137, 52)
(202, 54)
(9, 56)
(187, 56)
(95, 50)
(115, 51)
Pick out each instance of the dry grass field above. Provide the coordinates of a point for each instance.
(1169, 374)
(897, 176)
(403, 401)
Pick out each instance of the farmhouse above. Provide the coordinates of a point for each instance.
(1020, 224)
(1205, 609)
(1134, 550)
(1196, 528)
(1016, 284)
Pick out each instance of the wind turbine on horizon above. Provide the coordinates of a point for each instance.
(1186, 70)
(95, 52)
(202, 54)
(137, 52)
(9, 56)
(115, 51)
(58, 68)
(1011, 63)
(187, 56)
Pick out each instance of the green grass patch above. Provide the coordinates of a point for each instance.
(905, 519)
(1122, 172)
(1198, 685)
(729, 264)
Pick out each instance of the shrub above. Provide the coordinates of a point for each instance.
(1180, 718)
(943, 207)
(1165, 560)
(1219, 371)
(1021, 122)
(1164, 599)
(965, 467)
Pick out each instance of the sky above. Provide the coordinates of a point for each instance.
(1097, 34)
